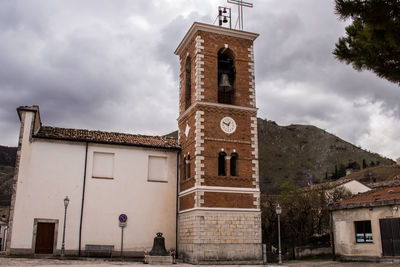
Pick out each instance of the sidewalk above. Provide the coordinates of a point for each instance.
(8, 261)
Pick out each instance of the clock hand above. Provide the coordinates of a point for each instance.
(227, 124)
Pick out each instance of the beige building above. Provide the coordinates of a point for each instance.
(367, 226)
(104, 175)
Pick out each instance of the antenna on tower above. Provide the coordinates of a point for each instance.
(240, 4)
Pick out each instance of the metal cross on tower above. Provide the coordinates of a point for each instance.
(240, 4)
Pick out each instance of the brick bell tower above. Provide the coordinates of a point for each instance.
(219, 197)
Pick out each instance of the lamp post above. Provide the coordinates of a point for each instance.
(66, 202)
(278, 212)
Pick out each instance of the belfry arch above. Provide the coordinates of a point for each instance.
(226, 76)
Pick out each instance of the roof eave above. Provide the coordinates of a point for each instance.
(107, 143)
(197, 26)
(370, 204)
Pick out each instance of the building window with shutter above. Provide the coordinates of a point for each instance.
(157, 169)
(363, 231)
(103, 165)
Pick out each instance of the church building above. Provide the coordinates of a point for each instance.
(200, 190)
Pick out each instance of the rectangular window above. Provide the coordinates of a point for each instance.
(103, 165)
(363, 231)
(157, 169)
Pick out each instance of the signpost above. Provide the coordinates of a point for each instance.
(123, 218)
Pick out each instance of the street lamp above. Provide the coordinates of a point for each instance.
(66, 202)
(278, 212)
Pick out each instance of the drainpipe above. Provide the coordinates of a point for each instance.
(83, 200)
(177, 201)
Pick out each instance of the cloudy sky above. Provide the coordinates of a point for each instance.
(109, 65)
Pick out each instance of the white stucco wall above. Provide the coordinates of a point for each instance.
(50, 170)
(344, 230)
(355, 187)
(150, 206)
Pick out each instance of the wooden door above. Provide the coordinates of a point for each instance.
(390, 236)
(44, 238)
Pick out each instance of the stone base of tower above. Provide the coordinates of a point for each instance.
(220, 237)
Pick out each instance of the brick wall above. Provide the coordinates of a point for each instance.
(228, 200)
(187, 201)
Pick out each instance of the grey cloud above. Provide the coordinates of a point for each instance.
(110, 65)
(171, 34)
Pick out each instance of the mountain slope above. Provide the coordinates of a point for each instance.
(301, 154)
(6, 175)
(7, 156)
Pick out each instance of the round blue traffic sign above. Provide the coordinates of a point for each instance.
(123, 218)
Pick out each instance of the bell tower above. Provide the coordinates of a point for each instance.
(219, 197)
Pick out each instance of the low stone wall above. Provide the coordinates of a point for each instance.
(308, 251)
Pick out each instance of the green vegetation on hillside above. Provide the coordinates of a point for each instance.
(376, 174)
(304, 218)
(8, 156)
(302, 154)
(6, 175)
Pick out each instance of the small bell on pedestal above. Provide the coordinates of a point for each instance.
(159, 246)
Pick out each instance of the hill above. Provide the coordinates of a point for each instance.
(378, 176)
(302, 154)
(6, 175)
(7, 156)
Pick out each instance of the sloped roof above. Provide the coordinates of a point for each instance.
(332, 184)
(383, 184)
(81, 135)
(373, 198)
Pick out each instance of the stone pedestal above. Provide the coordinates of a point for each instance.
(223, 237)
(159, 260)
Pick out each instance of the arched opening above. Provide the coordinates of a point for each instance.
(233, 164)
(188, 167)
(221, 164)
(226, 76)
(188, 83)
(184, 168)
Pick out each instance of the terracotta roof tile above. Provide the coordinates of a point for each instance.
(328, 185)
(371, 198)
(82, 135)
(394, 182)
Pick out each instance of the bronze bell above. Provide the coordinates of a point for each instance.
(159, 246)
(224, 80)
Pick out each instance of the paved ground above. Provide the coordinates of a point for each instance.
(337, 264)
(6, 261)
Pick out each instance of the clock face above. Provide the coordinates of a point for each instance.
(228, 125)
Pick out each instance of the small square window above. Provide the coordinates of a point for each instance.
(157, 169)
(103, 165)
(363, 231)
